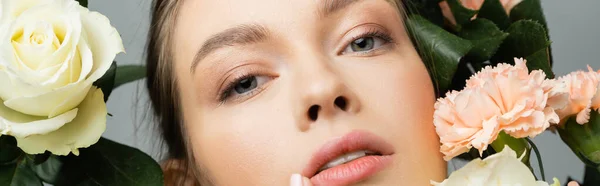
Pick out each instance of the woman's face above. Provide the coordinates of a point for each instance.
(269, 88)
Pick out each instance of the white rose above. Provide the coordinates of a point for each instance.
(51, 51)
(502, 168)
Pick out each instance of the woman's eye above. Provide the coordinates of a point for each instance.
(245, 85)
(364, 44)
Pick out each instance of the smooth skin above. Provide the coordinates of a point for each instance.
(246, 103)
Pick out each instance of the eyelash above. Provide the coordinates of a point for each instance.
(385, 36)
(225, 94)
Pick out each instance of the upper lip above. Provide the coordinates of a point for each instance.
(351, 142)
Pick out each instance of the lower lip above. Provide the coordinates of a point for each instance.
(353, 171)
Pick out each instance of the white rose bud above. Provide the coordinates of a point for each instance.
(500, 169)
(51, 51)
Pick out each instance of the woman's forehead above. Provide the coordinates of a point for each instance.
(224, 14)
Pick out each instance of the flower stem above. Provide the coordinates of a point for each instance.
(539, 158)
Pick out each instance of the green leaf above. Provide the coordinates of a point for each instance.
(49, 170)
(129, 73)
(428, 9)
(485, 36)
(540, 60)
(9, 152)
(83, 3)
(111, 164)
(529, 10)
(107, 81)
(18, 174)
(583, 140)
(519, 145)
(527, 39)
(440, 50)
(37, 159)
(462, 15)
(591, 176)
(494, 11)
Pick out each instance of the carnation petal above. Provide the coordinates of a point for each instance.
(583, 116)
(85, 130)
(583, 88)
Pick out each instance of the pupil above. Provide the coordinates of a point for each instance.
(363, 44)
(246, 85)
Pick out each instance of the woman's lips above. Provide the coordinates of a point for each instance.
(352, 171)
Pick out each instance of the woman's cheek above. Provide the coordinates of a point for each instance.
(245, 144)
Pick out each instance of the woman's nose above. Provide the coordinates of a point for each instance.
(323, 94)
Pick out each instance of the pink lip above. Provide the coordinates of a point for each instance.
(355, 170)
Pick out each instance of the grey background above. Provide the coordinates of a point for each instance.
(574, 29)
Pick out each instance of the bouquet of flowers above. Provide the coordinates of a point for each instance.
(493, 58)
(56, 73)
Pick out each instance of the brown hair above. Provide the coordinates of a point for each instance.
(162, 89)
(163, 93)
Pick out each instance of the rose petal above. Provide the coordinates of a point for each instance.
(20, 125)
(66, 22)
(47, 104)
(503, 168)
(34, 51)
(103, 39)
(85, 130)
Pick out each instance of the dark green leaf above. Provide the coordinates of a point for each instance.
(83, 3)
(107, 81)
(440, 50)
(18, 174)
(494, 11)
(37, 159)
(428, 9)
(485, 36)
(532, 10)
(540, 60)
(111, 164)
(529, 10)
(527, 39)
(591, 177)
(129, 73)
(49, 170)
(462, 15)
(583, 139)
(9, 152)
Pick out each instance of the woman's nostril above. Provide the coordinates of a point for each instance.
(341, 102)
(313, 112)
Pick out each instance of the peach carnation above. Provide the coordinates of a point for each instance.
(474, 5)
(584, 95)
(504, 98)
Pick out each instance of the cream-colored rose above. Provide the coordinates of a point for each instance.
(508, 5)
(51, 51)
(502, 169)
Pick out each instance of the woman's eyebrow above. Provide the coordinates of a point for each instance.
(239, 35)
(254, 33)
